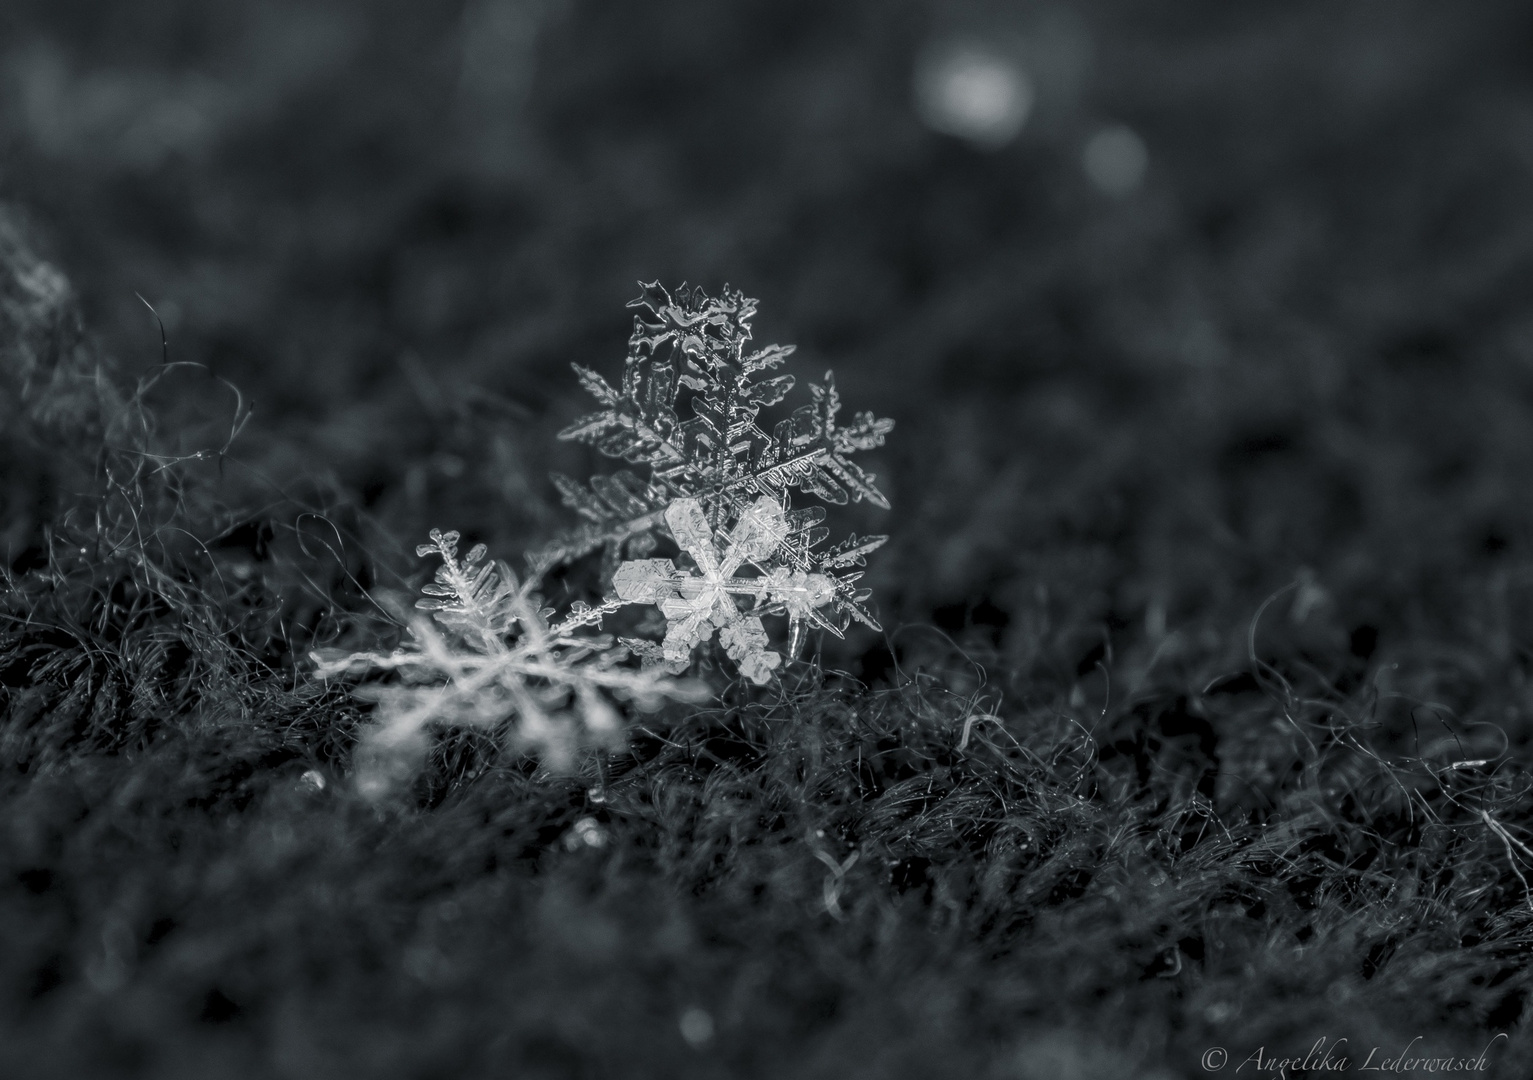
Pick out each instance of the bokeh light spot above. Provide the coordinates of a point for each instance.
(972, 92)
(696, 1027)
(1115, 160)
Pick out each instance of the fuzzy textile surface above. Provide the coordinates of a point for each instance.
(1202, 717)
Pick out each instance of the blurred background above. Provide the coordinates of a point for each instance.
(1173, 304)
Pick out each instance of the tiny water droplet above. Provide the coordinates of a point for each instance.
(587, 832)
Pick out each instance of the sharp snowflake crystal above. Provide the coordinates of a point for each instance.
(696, 604)
(719, 473)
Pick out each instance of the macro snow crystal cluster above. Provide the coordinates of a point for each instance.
(720, 483)
(716, 483)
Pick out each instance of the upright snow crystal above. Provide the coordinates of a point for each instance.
(720, 483)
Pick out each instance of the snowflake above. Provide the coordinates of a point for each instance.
(696, 604)
(491, 654)
(688, 354)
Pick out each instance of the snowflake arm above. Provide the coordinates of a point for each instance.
(812, 437)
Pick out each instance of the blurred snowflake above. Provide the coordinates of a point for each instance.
(492, 653)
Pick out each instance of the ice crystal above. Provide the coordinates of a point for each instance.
(491, 653)
(717, 470)
(696, 604)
